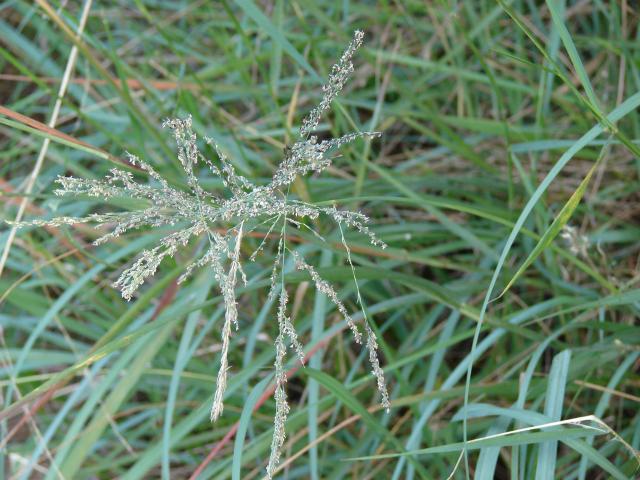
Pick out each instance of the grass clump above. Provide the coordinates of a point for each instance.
(505, 186)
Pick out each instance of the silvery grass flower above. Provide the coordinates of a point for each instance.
(197, 213)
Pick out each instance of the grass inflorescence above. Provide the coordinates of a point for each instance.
(198, 213)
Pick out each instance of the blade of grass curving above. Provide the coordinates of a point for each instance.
(523, 389)
(619, 112)
(546, 76)
(567, 41)
(454, 376)
(439, 350)
(558, 223)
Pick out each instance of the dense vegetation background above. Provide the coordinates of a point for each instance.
(516, 117)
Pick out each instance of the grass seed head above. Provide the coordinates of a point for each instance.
(194, 214)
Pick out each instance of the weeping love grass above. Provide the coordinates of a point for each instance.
(195, 213)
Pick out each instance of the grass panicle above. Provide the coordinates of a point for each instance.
(196, 213)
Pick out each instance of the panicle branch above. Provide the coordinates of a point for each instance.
(340, 73)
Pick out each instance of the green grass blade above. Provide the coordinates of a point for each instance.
(554, 399)
(570, 46)
(564, 215)
(315, 362)
(243, 425)
(276, 35)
